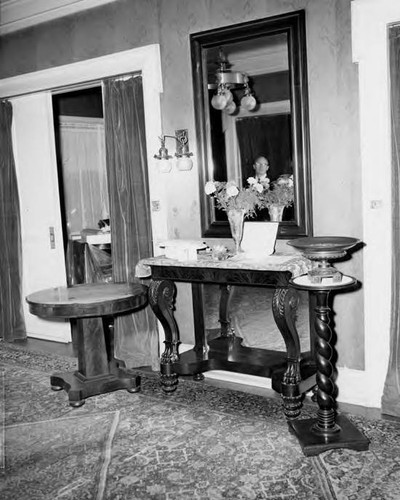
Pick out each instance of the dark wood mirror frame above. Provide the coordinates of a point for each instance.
(293, 25)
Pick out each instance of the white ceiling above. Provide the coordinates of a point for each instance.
(18, 14)
(257, 56)
(252, 57)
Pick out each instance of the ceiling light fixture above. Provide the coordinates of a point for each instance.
(226, 79)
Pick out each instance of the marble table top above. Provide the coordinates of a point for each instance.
(296, 264)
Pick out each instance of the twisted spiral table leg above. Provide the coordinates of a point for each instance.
(325, 371)
(328, 430)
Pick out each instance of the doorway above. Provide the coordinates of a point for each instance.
(82, 184)
(33, 139)
(80, 150)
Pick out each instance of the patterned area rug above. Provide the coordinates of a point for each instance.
(202, 442)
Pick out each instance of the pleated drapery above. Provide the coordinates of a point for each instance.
(84, 174)
(12, 324)
(391, 393)
(136, 338)
(267, 135)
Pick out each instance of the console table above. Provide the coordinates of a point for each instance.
(292, 372)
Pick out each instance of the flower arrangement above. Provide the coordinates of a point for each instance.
(229, 196)
(281, 192)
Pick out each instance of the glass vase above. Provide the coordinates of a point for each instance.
(236, 219)
(276, 212)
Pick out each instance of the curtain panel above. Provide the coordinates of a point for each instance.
(391, 393)
(12, 324)
(83, 172)
(136, 337)
(269, 136)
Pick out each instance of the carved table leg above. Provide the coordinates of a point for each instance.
(328, 430)
(224, 307)
(284, 307)
(161, 299)
(200, 338)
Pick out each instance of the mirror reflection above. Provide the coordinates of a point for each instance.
(254, 127)
(251, 113)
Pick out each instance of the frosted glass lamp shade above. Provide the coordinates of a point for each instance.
(248, 102)
(164, 165)
(219, 101)
(184, 163)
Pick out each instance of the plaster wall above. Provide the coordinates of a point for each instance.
(333, 100)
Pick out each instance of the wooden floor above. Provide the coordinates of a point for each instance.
(36, 345)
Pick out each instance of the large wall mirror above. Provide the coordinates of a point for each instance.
(267, 58)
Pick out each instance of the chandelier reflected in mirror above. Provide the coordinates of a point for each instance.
(227, 80)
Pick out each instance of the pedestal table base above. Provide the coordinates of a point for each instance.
(313, 442)
(328, 430)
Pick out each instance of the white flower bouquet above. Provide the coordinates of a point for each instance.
(229, 196)
(281, 192)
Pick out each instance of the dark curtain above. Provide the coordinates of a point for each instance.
(12, 324)
(391, 393)
(136, 338)
(269, 136)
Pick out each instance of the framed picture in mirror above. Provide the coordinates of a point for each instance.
(251, 108)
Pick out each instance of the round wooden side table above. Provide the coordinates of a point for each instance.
(90, 309)
(328, 430)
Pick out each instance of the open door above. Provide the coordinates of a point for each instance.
(35, 159)
(42, 241)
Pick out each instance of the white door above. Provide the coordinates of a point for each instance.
(41, 230)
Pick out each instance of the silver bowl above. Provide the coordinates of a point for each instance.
(322, 249)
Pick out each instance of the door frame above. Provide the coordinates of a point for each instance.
(370, 22)
(145, 60)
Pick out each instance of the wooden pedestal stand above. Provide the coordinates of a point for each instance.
(328, 430)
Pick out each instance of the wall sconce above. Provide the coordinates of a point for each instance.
(182, 153)
(227, 79)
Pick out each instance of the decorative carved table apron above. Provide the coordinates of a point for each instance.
(292, 372)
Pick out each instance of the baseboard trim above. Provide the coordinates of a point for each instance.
(52, 338)
(354, 385)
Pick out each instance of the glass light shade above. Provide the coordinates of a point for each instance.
(230, 108)
(218, 101)
(184, 163)
(248, 102)
(164, 165)
(229, 96)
